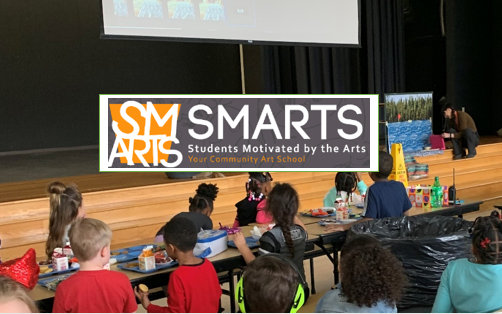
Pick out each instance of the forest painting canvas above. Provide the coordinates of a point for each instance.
(409, 120)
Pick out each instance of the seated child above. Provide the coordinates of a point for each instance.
(194, 286)
(385, 198)
(288, 237)
(345, 183)
(253, 207)
(66, 205)
(93, 289)
(372, 280)
(262, 187)
(14, 297)
(269, 285)
(16, 278)
(475, 286)
(200, 209)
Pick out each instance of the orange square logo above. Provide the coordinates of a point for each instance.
(144, 133)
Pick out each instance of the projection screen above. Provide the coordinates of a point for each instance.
(307, 22)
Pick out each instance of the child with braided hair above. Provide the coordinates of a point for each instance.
(475, 286)
(345, 183)
(253, 208)
(288, 236)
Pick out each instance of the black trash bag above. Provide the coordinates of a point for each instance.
(425, 245)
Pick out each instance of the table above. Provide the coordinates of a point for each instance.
(469, 205)
(307, 220)
(337, 239)
(328, 243)
(226, 261)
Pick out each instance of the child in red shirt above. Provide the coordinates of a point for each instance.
(92, 289)
(193, 287)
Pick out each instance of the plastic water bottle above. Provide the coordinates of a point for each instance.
(437, 194)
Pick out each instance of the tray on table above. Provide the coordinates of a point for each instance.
(251, 242)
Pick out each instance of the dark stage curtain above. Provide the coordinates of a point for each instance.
(376, 68)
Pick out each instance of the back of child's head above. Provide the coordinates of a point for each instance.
(346, 181)
(254, 184)
(14, 297)
(385, 164)
(358, 241)
(370, 273)
(204, 198)
(87, 237)
(181, 233)
(65, 202)
(283, 203)
(487, 239)
(269, 285)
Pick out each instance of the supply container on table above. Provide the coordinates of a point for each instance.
(216, 240)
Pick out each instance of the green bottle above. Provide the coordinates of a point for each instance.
(437, 194)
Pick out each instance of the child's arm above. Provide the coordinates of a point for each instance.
(240, 243)
(176, 298)
(330, 198)
(236, 224)
(142, 297)
(362, 187)
(297, 221)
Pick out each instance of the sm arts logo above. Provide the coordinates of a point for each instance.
(144, 133)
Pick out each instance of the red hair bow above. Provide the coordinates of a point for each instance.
(24, 270)
(484, 243)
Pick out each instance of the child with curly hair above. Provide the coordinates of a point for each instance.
(193, 287)
(200, 209)
(474, 286)
(372, 280)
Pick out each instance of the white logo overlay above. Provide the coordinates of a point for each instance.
(239, 132)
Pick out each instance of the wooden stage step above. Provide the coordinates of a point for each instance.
(136, 205)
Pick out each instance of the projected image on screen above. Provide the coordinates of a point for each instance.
(181, 9)
(310, 22)
(121, 8)
(148, 8)
(212, 10)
